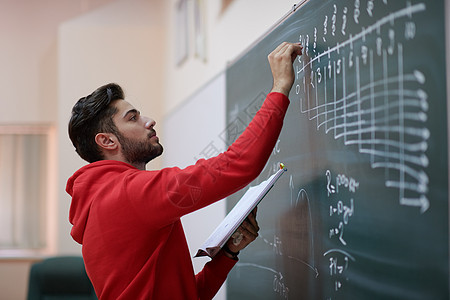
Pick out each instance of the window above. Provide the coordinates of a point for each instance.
(26, 166)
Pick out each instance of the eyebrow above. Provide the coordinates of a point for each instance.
(131, 111)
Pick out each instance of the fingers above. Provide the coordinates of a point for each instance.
(249, 228)
(237, 237)
(246, 233)
(279, 48)
(254, 211)
(287, 50)
(280, 61)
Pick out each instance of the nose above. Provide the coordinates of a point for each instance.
(150, 123)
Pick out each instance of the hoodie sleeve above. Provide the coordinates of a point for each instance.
(213, 275)
(174, 192)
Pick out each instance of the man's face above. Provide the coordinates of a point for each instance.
(137, 137)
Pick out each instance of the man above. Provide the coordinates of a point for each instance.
(128, 219)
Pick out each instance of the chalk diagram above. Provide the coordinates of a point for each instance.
(366, 104)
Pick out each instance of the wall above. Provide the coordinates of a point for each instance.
(227, 34)
(29, 85)
(119, 43)
(39, 68)
(28, 56)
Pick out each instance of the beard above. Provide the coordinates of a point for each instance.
(135, 151)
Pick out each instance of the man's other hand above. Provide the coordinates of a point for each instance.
(246, 233)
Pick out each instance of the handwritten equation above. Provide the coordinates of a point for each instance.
(338, 258)
(341, 210)
(358, 91)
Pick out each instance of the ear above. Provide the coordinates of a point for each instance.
(107, 141)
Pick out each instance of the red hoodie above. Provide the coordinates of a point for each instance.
(128, 220)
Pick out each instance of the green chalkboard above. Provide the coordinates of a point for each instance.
(362, 212)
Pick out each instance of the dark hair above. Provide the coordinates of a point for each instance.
(93, 114)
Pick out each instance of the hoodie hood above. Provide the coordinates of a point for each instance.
(84, 186)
